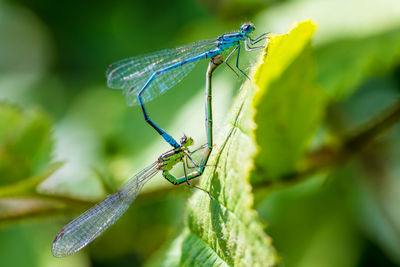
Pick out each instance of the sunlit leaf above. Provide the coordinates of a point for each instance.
(225, 230)
(289, 104)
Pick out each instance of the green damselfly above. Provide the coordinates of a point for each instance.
(88, 226)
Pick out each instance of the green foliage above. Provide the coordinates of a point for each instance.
(227, 225)
(28, 186)
(224, 230)
(289, 103)
(280, 157)
(25, 143)
(345, 64)
(287, 107)
(25, 162)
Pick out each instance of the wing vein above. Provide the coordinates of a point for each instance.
(131, 74)
(97, 219)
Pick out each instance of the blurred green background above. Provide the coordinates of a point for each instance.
(66, 140)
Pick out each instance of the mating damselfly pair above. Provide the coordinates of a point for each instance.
(143, 78)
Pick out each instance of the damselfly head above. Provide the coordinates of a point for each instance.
(247, 28)
(186, 141)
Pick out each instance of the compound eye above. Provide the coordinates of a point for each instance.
(186, 141)
(190, 141)
(183, 139)
(247, 27)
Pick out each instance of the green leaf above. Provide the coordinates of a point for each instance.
(225, 230)
(25, 154)
(25, 143)
(344, 64)
(23, 200)
(289, 104)
(28, 187)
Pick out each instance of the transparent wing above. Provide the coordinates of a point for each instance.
(131, 74)
(84, 229)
